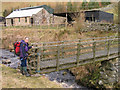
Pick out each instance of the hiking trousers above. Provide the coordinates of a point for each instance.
(23, 62)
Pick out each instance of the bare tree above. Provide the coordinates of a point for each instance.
(59, 8)
(116, 11)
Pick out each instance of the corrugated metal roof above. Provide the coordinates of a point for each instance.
(24, 13)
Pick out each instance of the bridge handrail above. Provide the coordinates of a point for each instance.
(71, 40)
(58, 52)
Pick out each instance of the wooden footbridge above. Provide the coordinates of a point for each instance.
(54, 56)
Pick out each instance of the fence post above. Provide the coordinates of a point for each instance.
(78, 52)
(58, 57)
(38, 61)
(94, 49)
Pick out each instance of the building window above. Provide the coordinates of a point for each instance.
(25, 19)
(19, 19)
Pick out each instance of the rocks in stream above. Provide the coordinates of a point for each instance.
(9, 59)
(109, 73)
(6, 61)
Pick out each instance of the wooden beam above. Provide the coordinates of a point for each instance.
(57, 58)
(78, 52)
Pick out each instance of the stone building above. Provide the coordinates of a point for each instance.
(38, 15)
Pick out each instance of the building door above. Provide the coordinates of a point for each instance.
(12, 22)
(31, 21)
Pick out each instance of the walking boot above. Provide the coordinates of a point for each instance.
(21, 70)
(26, 73)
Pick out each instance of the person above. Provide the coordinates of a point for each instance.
(24, 47)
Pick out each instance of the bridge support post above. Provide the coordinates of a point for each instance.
(94, 50)
(78, 52)
(38, 61)
(108, 47)
(109, 73)
(57, 59)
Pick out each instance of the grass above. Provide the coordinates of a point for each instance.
(37, 35)
(37, 27)
(12, 78)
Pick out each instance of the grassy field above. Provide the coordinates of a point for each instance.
(37, 35)
(12, 78)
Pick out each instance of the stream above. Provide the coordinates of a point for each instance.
(64, 77)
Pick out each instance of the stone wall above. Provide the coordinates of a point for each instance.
(8, 22)
(42, 18)
(45, 18)
(22, 21)
(109, 73)
(99, 26)
(18, 21)
(59, 20)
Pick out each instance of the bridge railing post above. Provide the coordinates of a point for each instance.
(57, 58)
(38, 60)
(63, 53)
(78, 52)
(43, 49)
(108, 47)
(94, 49)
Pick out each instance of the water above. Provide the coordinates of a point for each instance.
(7, 55)
(65, 78)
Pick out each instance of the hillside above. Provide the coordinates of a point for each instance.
(14, 5)
(19, 81)
(57, 6)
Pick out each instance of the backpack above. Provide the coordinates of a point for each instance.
(17, 48)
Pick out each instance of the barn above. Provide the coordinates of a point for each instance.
(2, 21)
(97, 15)
(37, 15)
